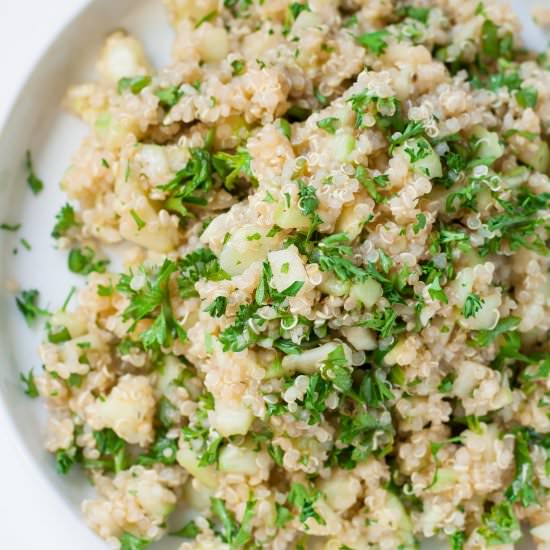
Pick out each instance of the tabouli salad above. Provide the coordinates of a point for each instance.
(331, 330)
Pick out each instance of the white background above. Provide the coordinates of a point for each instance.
(30, 517)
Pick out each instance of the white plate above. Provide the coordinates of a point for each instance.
(37, 122)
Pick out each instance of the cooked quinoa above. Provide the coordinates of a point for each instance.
(329, 327)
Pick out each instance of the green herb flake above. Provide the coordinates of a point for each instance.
(168, 97)
(82, 261)
(65, 220)
(238, 66)
(500, 525)
(29, 383)
(189, 531)
(484, 338)
(131, 542)
(527, 97)
(208, 17)
(329, 124)
(420, 223)
(34, 182)
(133, 84)
(217, 307)
(10, 227)
(27, 303)
(472, 305)
(139, 221)
(374, 41)
(304, 501)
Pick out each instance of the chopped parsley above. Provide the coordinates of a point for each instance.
(500, 525)
(472, 305)
(231, 532)
(374, 41)
(329, 124)
(484, 338)
(30, 385)
(303, 500)
(131, 542)
(168, 97)
(232, 166)
(217, 307)
(27, 303)
(189, 531)
(139, 221)
(152, 301)
(82, 261)
(33, 181)
(527, 97)
(65, 220)
(10, 226)
(238, 66)
(133, 84)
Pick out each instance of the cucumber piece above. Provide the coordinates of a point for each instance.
(537, 158)
(488, 143)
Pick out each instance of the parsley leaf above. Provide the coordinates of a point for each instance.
(374, 389)
(522, 489)
(484, 338)
(30, 385)
(500, 525)
(336, 368)
(152, 301)
(420, 223)
(168, 97)
(133, 84)
(65, 219)
(472, 305)
(189, 531)
(217, 307)
(304, 500)
(131, 542)
(374, 41)
(230, 167)
(81, 261)
(308, 203)
(199, 264)
(527, 97)
(329, 124)
(457, 540)
(436, 292)
(27, 304)
(232, 533)
(10, 227)
(34, 182)
(65, 459)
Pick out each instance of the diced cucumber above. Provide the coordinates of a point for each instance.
(287, 267)
(517, 176)
(187, 459)
(232, 418)
(361, 338)
(341, 147)
(368, 292)
(488, 143)
(333, 286)
(291, 217)
(424, 160)
(309, 361)
(246, 245)
(537, 158)
(238, 460)
(445, 478)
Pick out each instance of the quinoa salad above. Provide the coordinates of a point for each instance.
(315, 296)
